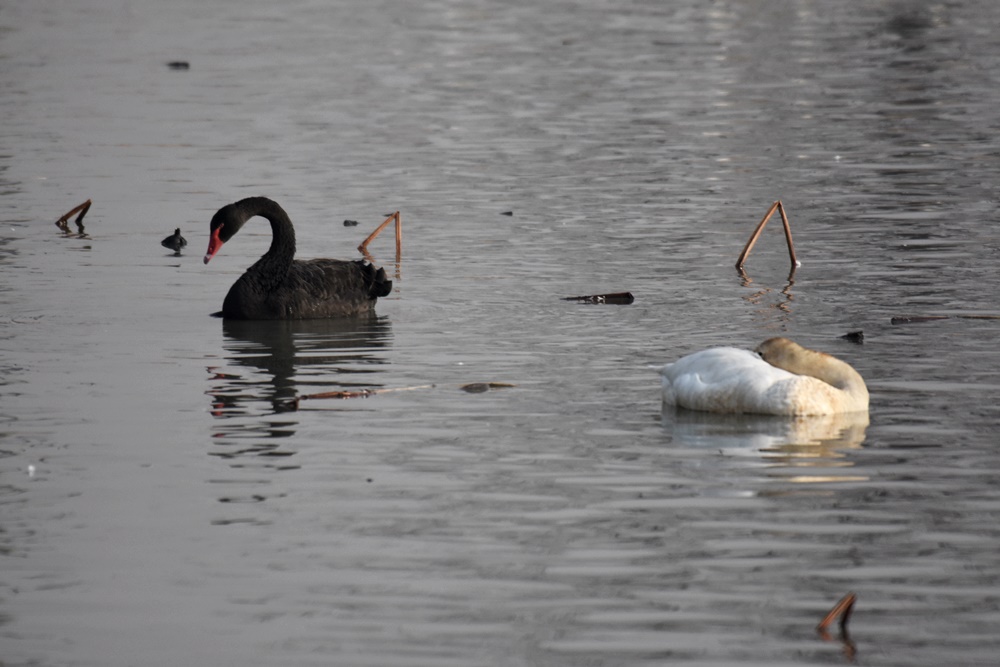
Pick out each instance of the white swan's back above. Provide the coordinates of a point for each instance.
(731, 380)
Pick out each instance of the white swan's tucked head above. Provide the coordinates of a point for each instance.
(786, 379)
(789, 355)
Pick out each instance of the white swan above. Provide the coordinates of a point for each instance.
(782, 378)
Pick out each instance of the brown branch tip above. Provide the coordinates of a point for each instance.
(81, 208)
(842, 610)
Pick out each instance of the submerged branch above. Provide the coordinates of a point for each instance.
(842, 610)
(394, 217)
(776, 206)
(61, 223)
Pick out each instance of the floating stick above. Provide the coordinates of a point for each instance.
(82, 208)
(360, 393)
(776, 206)
(399, 235)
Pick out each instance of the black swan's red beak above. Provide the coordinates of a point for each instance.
(214, 244)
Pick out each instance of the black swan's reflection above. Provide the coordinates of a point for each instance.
(267, 363)
(798, 443)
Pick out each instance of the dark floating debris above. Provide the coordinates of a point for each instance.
(855, 337)
(174, 242)
(508, 213)
(616, 298)
(776, 206)
(350, 223)
(910, 319)
(482, 387)
(399, 235)
(179, 65)
(62, 223)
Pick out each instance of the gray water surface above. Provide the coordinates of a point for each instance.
(159, 506)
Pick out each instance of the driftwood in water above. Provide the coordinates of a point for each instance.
(616, 297)
(358, 393)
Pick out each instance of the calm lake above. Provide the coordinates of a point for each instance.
(159, 505)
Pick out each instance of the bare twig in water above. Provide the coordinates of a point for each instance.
(399, 235)
(617, 297)
(842, 610)
(776, 206)
(82, 209)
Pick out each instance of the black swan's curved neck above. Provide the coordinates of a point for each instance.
(274, 264)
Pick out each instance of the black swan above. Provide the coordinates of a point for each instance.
(175, 241)
(279, 287)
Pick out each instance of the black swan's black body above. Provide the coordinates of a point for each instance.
(280, 287)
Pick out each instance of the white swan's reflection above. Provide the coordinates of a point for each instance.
(800, 443)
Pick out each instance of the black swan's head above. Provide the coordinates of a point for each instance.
(225, 223)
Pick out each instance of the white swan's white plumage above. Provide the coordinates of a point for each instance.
(781, 378)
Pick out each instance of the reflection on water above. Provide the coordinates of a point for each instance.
(270, 363)
(807, 449)
(770, 304)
